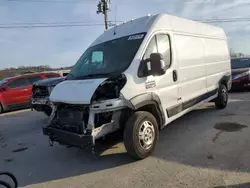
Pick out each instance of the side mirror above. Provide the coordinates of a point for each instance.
(156, 65)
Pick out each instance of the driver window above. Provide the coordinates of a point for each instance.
(160, 43)
(152, 48)
(144, 67)
(163, 44)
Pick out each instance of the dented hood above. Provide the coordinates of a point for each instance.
(75, 91)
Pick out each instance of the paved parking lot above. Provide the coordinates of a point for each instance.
(205, 148)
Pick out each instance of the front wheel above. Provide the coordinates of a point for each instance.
(222, 99)
(140, 134)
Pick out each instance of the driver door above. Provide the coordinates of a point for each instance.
(166, 85)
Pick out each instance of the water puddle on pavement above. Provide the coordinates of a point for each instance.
(229, 127)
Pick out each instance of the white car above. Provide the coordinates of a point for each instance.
(139, 77)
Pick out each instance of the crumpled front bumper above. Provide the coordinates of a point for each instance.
(68, 138)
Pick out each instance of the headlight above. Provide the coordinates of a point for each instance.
(241, 75)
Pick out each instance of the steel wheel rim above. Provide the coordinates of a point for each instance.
(224, 95)
(146, 135)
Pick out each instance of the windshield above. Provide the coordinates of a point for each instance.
(240, 63)
(108, 58)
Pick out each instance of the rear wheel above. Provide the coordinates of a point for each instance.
(222, 99)
(140, 134)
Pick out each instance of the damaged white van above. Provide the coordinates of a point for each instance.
(138, 77)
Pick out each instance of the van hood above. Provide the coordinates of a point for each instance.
(75, 91)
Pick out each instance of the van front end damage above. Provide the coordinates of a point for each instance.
(80, 118)
(81, 125)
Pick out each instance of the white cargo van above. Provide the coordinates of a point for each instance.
(138, 77)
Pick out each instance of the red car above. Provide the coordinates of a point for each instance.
(15, 92)
(240, 72)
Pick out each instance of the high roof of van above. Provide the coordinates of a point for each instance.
(160, 21)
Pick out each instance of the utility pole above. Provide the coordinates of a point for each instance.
(103, 7)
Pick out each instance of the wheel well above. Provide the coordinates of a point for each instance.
(152, 108)
(224, 82)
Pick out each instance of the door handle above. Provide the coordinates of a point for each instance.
(175, 76)
(25, 89)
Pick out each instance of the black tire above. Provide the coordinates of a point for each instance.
(222, 99)
(132, 141)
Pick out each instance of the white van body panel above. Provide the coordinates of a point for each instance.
(192, 67)
(217, 61)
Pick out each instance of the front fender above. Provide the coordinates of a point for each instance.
(147, 99)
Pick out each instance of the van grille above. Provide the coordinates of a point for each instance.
(72, 118)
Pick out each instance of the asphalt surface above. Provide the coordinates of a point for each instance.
(205, 148)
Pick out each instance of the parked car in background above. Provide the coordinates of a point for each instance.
(40, 94)
(240, 72)
(15, 92)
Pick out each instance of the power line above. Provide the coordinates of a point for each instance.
(89, 23)
(209, 19)
(48, 26)
(51, 23)
(50, 1)
(224, 20)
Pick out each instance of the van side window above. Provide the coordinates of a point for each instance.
(152, 48)
(163, 44)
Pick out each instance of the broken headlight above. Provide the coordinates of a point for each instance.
(110, 89)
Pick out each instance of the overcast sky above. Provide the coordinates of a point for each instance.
(62, 46)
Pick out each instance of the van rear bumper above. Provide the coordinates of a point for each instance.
(68, 138)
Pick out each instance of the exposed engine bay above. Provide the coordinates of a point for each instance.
(104, 115)
(110, 89)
